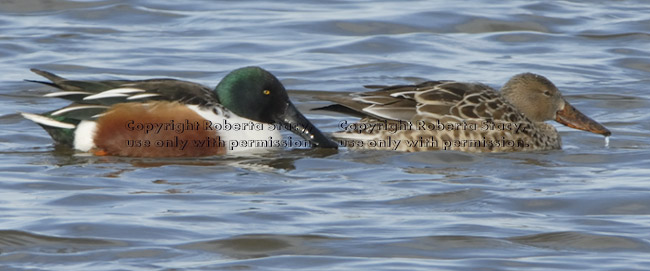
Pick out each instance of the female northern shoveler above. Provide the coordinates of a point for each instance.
(449, 115)
(168, 118)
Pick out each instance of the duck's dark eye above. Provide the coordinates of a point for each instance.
(266, 92)
(547, 93)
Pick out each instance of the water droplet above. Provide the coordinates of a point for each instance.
(607, 141)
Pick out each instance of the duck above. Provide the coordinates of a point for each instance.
(164, 117)
(459, 116)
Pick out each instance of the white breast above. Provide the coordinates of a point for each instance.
(241, 134)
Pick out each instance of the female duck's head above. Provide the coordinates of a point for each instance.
(539, 100)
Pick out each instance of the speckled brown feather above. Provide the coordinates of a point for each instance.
(476, 107)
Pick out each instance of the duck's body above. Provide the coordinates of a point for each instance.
(449, 115)
(171, 118)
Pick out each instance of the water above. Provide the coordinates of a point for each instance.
(586, 206)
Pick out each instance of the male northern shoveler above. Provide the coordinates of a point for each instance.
(170, 118)
(449, 115)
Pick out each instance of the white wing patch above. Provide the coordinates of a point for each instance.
(66, 93)
(47, 121)
(114, 93)
(143, 96)
(84, 133)
(76, 107)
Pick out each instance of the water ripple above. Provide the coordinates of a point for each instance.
(582, 207)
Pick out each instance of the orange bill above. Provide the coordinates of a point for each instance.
(570, 116)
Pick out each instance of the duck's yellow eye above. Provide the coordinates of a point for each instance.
(266, 92)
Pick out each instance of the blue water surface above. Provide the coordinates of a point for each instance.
(586, 206)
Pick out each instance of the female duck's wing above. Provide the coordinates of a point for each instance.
(465, 101)
(428, 100)
(388, 103)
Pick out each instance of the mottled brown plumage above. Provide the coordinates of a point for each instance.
(450, 115)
